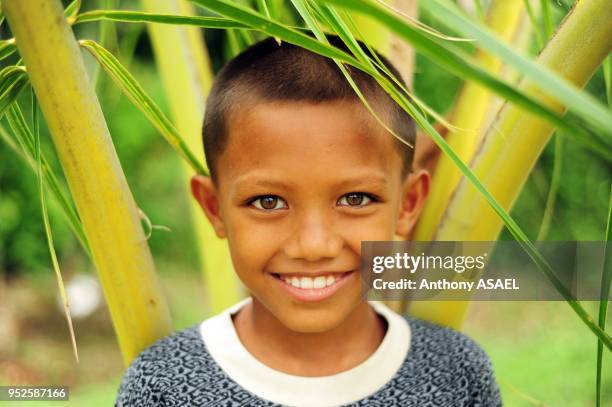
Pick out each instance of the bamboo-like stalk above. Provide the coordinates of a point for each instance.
(103, 199)
(516, 138)
(470, 117)
(187, 76)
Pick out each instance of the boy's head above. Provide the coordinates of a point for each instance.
(301, 173)
(267, 72)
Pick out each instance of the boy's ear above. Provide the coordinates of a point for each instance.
(205, 192)
(414, 191)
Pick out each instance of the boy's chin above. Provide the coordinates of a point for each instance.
(314, 321)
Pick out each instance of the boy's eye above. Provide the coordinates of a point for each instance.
(268, 202)
(355, 199)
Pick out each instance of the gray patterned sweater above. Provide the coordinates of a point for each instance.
(442, 368)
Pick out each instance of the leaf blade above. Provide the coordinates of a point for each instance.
(606, 282)
(124, 79)
(145, 17)
(47, 226)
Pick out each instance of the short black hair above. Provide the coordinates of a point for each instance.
(269, 72)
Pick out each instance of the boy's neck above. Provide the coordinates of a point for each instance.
(309, 354)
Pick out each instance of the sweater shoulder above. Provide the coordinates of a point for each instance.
(433, 338)
(167, 362)
(176, 345)
(443, 348)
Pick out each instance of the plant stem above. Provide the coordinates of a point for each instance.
(186, 74)
(101, 194)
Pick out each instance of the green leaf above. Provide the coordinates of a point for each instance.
(342, 32)
(256, 21)
(302, 8)
(7, 48)
(275, 7)
(451, 58)
(262, 6)
(536, 26)
(8, 139)
(606, 282)
(25, 139)
(107, 37)
(607, 71)
(12, 81)
(246, 37)
(480, 10)
(233, 43)
(72, 10)
(132, 89)
(336, 22)
(577, 101)
(555, 183)
(142, 17)
(47, 224)
(546, 19)
(458, 63)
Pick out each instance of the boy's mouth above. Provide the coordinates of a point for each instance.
(313, 288)
(305, 282)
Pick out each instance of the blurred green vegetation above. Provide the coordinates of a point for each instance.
(541, 354)
(151, 167)
(539, 349)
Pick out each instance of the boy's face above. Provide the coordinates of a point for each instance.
(299, 187)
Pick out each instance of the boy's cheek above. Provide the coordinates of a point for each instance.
(381, 227)
(250, 251)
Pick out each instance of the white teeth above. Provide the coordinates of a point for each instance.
(308, 283)
(319, 282)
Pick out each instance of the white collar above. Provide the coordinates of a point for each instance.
(223, 344)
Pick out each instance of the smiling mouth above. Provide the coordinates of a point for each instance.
(309, 283)
(315, 287)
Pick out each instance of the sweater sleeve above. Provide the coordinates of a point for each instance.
(138, 386)
(483, 388)
(153, 377)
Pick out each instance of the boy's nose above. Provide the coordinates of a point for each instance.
(314, 239)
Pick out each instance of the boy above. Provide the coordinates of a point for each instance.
(301, 173)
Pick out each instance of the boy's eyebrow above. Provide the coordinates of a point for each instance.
(367, 179)
(247, 179)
